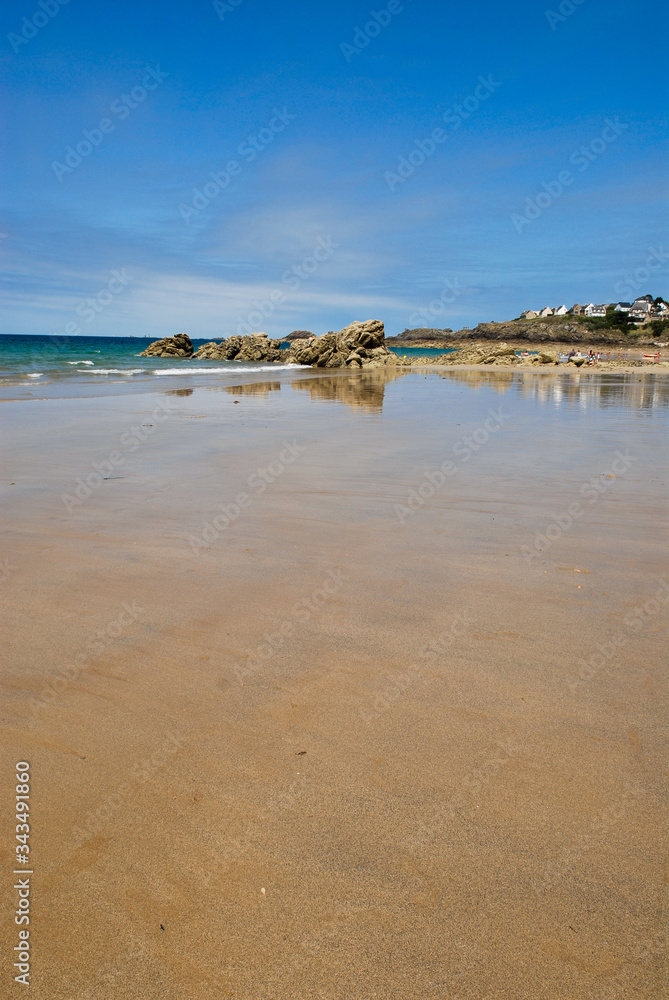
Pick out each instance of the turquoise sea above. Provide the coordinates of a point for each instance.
(46, 359)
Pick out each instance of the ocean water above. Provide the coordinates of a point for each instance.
(45, 359)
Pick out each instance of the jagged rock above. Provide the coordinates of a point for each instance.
(257, 347)
(477, 354)
(359, 345)
(546, 358)
(179, 346)
(502, 355)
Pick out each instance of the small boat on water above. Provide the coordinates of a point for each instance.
(653, 357)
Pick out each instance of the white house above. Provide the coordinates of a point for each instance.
(643, 304)
(546, 312)
(593, 310)
(623, 307)
(560, 311)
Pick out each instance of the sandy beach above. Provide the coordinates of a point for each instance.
(600, 368)
(308, 714)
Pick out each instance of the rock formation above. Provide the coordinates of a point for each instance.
(256, 347)
(170, 347)
(537, 332)
(487, 354)
(360, 345)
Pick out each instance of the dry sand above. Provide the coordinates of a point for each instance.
(350, 816)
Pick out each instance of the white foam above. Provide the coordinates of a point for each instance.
(81, 362)
(222, 371)
(112, 371)
(36, 375)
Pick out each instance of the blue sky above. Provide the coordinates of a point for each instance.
(336, 116)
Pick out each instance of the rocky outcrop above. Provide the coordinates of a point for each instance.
(256, 347)
(170, 347)
(359, 345)
(423, 336)
(566, 331)
(487, 354)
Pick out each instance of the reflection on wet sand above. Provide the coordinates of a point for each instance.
(253, 388)
(362, 390)
(499, 381)
(643, 391)
(178, 392)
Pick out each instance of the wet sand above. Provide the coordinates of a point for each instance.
(602, 367)
(354, 739)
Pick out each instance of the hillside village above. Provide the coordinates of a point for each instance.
(642, 310)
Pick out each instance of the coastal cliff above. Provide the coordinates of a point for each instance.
(554, 331)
